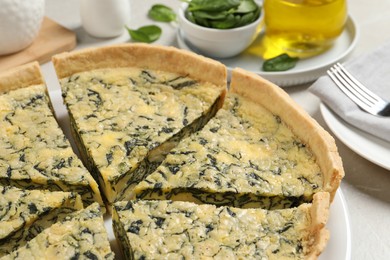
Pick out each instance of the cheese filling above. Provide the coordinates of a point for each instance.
(79, 235)
(126, 120)
(22, 211)
(22, 236)
(183, 230)
(244, 157)
(34, 152)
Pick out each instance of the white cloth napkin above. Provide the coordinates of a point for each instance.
(371, 69)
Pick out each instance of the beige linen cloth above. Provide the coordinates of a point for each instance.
(373, 70)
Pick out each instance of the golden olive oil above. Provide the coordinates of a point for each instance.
(302, 27)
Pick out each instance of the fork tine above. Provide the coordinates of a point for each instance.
(341, 83)
(351, 87)
(357, 85)
(357, 92)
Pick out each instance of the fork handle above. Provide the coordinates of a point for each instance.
(385, 111)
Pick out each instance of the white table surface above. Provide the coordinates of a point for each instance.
(366, 187)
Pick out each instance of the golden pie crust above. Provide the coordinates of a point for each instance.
(317, 234)
(140, 55)
(20, 77)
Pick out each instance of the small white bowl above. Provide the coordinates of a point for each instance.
(219, 43)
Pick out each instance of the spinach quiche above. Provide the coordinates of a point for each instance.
(130, 104)
(80, 235)
(34, 152)
(156, 129)
(21, 212)
(150, 229)
(260, 150)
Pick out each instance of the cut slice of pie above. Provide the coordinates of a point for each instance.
(34, 152)
(184, 230)
(130, 104)
(81, 235)
(21, 209)
(260, 150)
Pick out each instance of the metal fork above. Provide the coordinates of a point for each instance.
(357, 92)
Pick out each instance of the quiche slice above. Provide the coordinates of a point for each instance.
(130, 104)
(80, 235)
(21, 209)
(184, 230)
(34, 152)
(260, 150)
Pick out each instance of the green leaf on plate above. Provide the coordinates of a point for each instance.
(148, 34)
(282, 62)
(162, 13)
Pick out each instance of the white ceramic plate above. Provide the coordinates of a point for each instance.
(306, 70)
(368, 146)
(339, 245)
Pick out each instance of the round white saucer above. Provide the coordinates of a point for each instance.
(305, 71)
(366, 145)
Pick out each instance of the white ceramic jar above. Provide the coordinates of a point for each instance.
(20, 22)
(104, 18)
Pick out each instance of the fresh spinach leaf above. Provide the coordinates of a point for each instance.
(148, 34)
(282, 62)
(212, 5)
(246, 6)
(210, 15)
(229, 22)
(222, 14)
(190, 16)
(202, 22)
(162, 13)
(246, 19)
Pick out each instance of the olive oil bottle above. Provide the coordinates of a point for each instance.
(302, 28)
